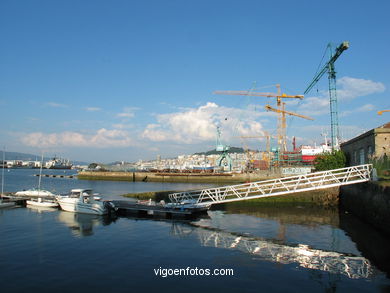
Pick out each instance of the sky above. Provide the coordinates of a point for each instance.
(122, 80)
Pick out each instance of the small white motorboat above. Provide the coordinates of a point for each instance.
(42, 202)
(82, 201)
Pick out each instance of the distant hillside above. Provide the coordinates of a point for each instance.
(214, 152)
(31, 157)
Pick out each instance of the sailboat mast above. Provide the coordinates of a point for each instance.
(2, 174)
(40, 174)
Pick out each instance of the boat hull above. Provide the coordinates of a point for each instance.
(46, 204)
(6, 204)
(74, 206)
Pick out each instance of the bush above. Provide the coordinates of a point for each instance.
(382, 166)
(330, 160)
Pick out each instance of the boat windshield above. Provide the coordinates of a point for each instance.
(74, 194)
(78, 193)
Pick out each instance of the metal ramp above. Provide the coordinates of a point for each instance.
(273, 187)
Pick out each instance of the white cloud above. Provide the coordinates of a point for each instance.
(348, 88)
(122, 126)
(193, 125)
(128, 112)
(56, 105)
(103, 138)
(364, 108)
(93, 109)
(314, 106)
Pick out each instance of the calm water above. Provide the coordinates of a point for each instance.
(295, 249)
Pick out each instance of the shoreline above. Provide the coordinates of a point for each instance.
(179, 177)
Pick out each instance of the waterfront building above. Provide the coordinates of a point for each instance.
(373, 144)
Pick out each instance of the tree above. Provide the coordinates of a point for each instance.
(92, 166)
(330, 160)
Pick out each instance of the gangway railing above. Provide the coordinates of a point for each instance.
(274, 187)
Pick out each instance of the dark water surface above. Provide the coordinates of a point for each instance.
(268, 249)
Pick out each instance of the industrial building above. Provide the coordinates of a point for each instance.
(372, 144)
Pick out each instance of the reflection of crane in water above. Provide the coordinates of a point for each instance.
(353, 267)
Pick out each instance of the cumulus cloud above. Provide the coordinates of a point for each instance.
(194, 125)
(103, 138)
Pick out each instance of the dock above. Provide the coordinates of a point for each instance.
(155, 210)
(57, 176)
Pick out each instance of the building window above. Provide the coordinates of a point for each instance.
(369, 152)
(355, 158)
(361, 156)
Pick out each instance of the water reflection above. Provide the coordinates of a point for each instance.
(352, 266)
(299, 214)
(82, 224)
(373, 244)
(41, 210)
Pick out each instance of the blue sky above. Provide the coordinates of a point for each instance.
(127, 80)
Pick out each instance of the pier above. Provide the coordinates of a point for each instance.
(155, 210)
(57, 176)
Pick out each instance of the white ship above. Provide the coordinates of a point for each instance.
(58, 163)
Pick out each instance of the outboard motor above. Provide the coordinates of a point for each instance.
(110, 207)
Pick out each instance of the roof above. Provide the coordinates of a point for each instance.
(386, 125)
(385, 128)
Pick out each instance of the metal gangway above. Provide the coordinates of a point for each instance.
(274, 187)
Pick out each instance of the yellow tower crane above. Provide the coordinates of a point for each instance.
(381, 112)
(283, 113)
(279, 96)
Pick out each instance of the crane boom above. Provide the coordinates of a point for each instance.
(340, 49)
(269, 108)
(279, 96)
(381, 112)
(255, 94)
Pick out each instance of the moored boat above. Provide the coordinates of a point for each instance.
(42, 202)
(82, 201)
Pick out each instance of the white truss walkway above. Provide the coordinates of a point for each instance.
(274, 187)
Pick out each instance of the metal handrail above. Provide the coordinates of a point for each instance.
(274, 187)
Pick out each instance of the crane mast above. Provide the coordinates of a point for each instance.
(283, 125)
(329, 67)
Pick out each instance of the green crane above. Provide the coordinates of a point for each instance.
(219, 147)
(329, 67)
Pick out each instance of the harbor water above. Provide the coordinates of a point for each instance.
(240, 247)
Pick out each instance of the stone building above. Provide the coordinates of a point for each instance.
(372, 144)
